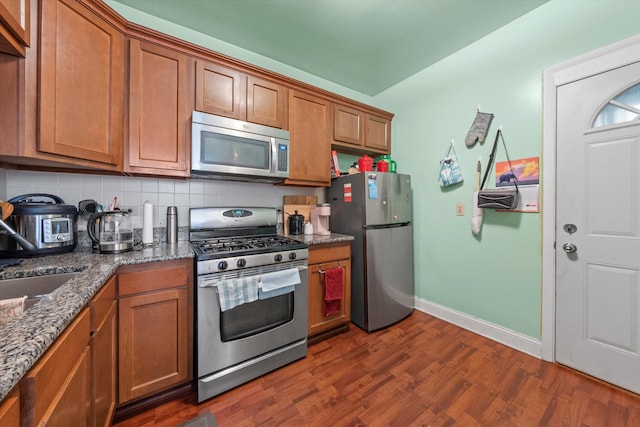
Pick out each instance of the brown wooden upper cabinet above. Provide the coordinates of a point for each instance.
(309, 121)
(14, 26)
(231, 93)
(348, 125)
(377, 133)
(358, 131)
(81, 93)
(160, 105)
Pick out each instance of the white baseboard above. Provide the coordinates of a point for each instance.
(489, 330)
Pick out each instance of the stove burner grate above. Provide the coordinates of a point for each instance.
(241, 244)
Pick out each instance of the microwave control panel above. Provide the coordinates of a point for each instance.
(283, 157)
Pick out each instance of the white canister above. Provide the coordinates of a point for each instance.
(308, 228)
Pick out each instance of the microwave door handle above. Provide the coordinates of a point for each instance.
(274, 155)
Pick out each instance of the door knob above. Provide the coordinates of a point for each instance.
(569, 248)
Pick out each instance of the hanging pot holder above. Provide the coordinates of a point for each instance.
(450, 169)
(479, 129)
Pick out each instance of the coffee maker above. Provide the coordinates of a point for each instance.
(320, 218)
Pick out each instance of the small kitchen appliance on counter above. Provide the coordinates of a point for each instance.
(43, 223)
(296, 223)
(115, 233)
(238, 250)
(320, 219)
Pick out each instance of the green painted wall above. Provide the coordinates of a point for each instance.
(503, 73)
(200, 39)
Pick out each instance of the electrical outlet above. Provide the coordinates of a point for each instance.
(460, 209)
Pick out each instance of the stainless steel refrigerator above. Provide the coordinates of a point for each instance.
(376, 208)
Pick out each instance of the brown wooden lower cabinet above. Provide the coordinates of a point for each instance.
(136, 331)
(10, 410)
(104, 346)
(155, 328)
(56, 391)
(321, 258)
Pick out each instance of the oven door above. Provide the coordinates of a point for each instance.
(248, 330)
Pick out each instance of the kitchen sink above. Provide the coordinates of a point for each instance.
(34, 287)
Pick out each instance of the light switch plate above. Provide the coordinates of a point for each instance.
(460, 209)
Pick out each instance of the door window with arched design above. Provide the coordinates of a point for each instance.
(623, 107)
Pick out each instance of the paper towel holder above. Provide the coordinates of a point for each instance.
(147, 224)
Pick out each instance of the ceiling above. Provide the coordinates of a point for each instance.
(364, 45)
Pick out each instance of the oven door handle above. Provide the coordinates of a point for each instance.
(204, 282)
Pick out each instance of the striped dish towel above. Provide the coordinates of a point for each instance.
(233, 292)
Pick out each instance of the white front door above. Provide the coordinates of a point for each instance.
(598, 226)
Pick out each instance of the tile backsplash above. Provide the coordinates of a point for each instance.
(132, 192)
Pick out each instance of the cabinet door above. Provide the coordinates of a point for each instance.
(14, 26)
(71, 406)
(378, 133)
(318, 322)
(266, 102)
(56, 391)
(81, 85)
(221, 90)
(104, 343)
(154, 343)
(159, 110)
(309, 124)
(320, 259)
(348, 125)
(10, 410)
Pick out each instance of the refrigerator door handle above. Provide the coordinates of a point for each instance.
(378, 226)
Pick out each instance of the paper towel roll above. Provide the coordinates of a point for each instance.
(147, 223)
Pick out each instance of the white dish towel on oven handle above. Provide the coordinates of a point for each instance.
(278, 283)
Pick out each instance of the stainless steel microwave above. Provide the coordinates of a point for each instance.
(234, 149)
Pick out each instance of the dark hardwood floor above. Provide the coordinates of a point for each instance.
(419, 372)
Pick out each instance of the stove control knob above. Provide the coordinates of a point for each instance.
(292, 255)
(277, 258)
(222, 265)
(241, 262)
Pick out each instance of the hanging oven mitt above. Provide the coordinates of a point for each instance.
(479, 129)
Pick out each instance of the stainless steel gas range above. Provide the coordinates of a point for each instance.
(251, 296)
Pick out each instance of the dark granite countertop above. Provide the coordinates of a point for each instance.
(317, 239)
(25, 338)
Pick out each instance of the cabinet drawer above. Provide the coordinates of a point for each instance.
(45, 380)
(329, 253)
(154, 276)
(102, 302)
